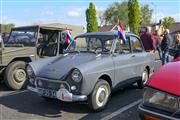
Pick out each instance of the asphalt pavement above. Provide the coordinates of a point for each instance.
(26, 105)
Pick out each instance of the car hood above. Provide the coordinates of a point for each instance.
(167, 78)
(57, 67)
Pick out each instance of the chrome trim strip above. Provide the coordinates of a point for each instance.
(158, 114)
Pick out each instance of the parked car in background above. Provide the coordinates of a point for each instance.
(94, 65)
(161, 97)
(24, 45)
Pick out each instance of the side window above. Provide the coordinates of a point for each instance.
(126, 47)
(122, 48)
(136, 44)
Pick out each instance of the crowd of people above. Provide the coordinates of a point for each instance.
(162, 43)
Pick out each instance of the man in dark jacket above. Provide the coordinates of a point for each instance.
(165, 45)
(148, 40)
(177, 46)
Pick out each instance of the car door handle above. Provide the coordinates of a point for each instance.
(133, 56)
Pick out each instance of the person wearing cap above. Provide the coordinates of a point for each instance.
(165, 45)
(148, 40)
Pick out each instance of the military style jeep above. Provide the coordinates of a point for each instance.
(26, 44)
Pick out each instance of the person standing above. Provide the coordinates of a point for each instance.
(165, 45)
(158, 43)
(177, 46)
(177, 42)
(148, 40)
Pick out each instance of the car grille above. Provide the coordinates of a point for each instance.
(51, 84)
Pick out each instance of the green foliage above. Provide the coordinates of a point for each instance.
(146, 15)
(134, 15)
(114, 10)
(167, 22)
(91, 18)
(6, 28)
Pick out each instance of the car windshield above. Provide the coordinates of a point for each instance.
(24, 38)
(97, 44)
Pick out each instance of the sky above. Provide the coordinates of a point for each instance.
(28, 12)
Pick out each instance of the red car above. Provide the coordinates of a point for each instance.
(161, 97)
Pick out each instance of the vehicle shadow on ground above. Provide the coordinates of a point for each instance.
(3, 87)
(31, 103)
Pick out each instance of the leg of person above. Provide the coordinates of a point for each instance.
(167, 56)
(163, 57)
(159, 52)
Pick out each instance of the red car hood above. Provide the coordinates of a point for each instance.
(167, 78)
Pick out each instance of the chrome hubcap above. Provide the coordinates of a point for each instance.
(102, 95)
(19, 75)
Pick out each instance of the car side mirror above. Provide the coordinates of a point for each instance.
(114, 54)
(65, 51)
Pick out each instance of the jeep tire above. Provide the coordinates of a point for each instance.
(15, 75)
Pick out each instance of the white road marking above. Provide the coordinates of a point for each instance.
(121, 110)
(13, 93)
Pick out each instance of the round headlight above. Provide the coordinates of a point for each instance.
(29, 70)
(76, 75)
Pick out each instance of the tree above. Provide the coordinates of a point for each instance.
(91, 18)
(6, 27)
(167, 22)
(146, 15)
(134, 15)
(114, 10)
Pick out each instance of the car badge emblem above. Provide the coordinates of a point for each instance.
(50, 63)
(62, 86)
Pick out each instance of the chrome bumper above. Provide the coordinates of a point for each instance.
(62, 94)
(145, 111)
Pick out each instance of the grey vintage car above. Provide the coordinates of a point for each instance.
(94, 64)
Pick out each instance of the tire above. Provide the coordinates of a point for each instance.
(144, 78)
(15, 75)
(102, 88)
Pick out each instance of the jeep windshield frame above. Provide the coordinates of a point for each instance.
(35, 30)
(22, 36)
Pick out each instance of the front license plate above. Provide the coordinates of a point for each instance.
(47, 92)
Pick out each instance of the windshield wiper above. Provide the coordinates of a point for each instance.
(13, 45)
(89, 52)
(74, 51)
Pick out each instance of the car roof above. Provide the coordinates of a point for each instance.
(46, 27)
(108, 34)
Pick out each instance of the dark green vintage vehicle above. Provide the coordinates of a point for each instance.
(26, 44)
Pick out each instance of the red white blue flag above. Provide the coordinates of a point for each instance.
(121, 32)
(69, 38)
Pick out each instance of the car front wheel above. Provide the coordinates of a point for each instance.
(99, 97)
(15, 75)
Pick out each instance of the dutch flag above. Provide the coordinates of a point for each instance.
(69, 38)
(121, 32)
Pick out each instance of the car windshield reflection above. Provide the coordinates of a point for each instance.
(91, 44)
